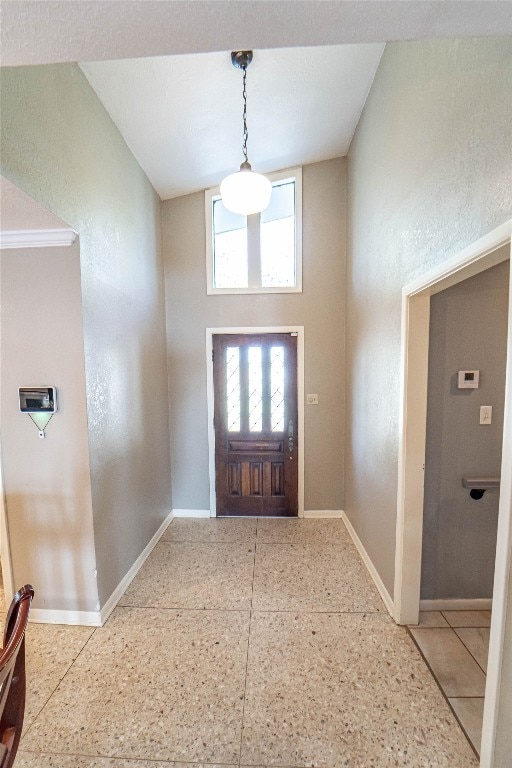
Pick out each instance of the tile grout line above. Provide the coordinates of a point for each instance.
(361, 612)
(470, 652)
(248, 644)
(443, 694)
(24, 733)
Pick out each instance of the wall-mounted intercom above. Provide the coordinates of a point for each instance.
(40, 403)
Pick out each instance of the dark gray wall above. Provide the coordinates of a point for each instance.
(468, 330)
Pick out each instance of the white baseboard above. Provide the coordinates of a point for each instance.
(98, 618)
(386, 597)
(80, 618)
(128, 578)
(191, 513)
(323, 513)
(452, 604)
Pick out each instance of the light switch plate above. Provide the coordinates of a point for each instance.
(485, 414)
(312, 399)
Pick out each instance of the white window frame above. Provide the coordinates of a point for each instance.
(291, 173)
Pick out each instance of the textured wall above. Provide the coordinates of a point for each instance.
(430, 171)
(468, 330)
(60, 146)
(47, 482)
(320, 309)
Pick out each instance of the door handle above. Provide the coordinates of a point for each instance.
(290, 436)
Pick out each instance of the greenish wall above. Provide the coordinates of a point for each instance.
(430, 171)
(320, 309)
(60, 146)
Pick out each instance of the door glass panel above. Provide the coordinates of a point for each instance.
(255, 390)
(233, 388)
(277, 389)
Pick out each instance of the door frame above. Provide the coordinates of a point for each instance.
(5, 544)
(261, 330)
(479, 256)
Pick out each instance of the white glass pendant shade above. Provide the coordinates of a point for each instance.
(245, 192)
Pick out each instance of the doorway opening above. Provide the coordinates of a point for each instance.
(256, 421)
(481, 255)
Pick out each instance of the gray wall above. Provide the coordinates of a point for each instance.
(60, 146)
(430, 171)
(468, 330)
(47, 482)
(320, 309)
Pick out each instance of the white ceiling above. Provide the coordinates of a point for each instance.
(182, 115)
(179, 104)
(46, 31)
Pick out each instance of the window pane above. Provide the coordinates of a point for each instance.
(277, 238)
(277, 389)
(233, 388)
(229, 248)
(255, 390)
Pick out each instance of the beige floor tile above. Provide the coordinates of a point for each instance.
(213, 530)
(468, 618)
(343, 690)
(456, 670)
(470, 713)
(50, 651)
(36, 760)
(476, 640)
(190, 575)
(161, 685)
(320, 577)
(302, 531)
(431, 619)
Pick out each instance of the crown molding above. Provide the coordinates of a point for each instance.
(37, 238)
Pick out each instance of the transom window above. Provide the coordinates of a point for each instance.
(261, 253)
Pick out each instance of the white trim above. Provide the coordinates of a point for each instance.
(98, 618)
(496, 745)
(209, 194)
(383, 592)
(75, 618)
(191, 513)
(128, 578)
(453, 604)
(5, 543)
(323, 514)
(210, 332)
(37, 238)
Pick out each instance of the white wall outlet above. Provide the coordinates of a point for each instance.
(468, 379)
(312, 399)
(485, 414)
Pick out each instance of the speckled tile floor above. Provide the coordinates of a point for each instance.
(240, 643)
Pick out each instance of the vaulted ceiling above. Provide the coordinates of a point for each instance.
(163, 72)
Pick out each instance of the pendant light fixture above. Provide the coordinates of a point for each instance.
(245, 192)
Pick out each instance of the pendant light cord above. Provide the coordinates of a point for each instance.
(244, 95)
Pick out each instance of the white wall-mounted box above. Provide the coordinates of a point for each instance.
(468, 379)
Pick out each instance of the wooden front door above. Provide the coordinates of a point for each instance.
(255, 391)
